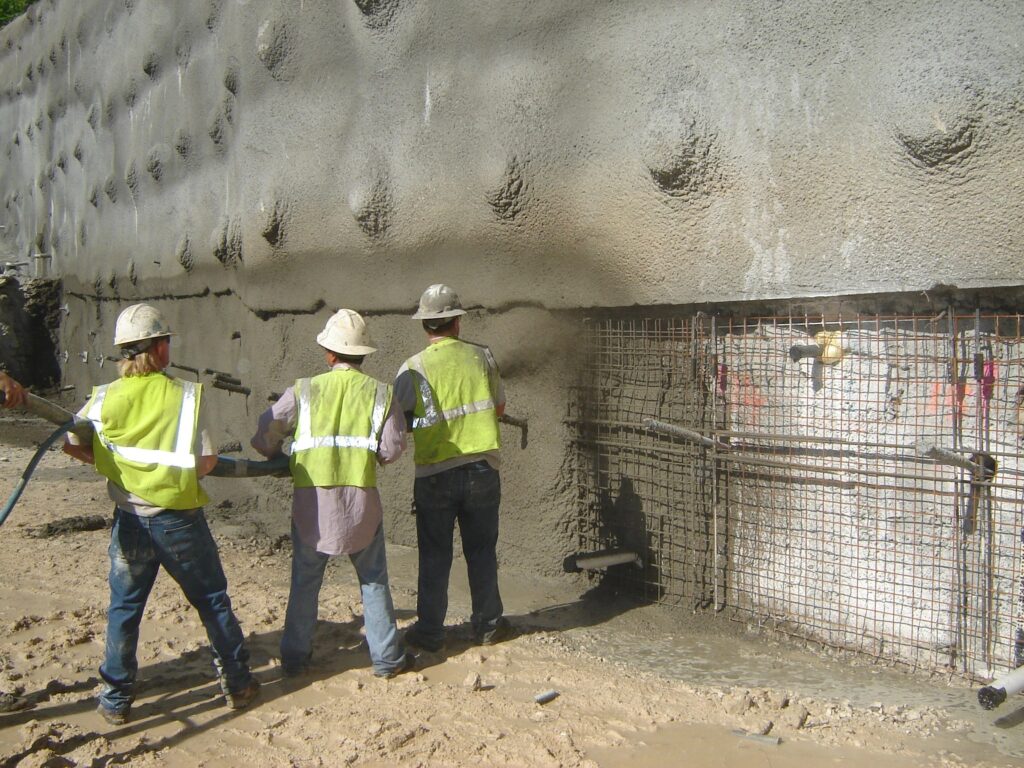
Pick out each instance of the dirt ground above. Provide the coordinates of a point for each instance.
(637, 686)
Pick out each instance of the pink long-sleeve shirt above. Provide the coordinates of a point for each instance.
(340, 519)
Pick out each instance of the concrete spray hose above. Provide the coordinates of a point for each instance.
(69, 422)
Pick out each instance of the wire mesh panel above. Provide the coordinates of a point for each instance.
(855, 480)
(638, 491)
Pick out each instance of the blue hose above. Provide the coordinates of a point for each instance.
(43, 448)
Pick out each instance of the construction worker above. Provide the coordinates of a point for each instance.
(340, 424)
(14, 395)
(151, 446)
(452, 397)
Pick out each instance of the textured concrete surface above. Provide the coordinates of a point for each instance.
(252, 165)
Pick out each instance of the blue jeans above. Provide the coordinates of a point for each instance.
(180, 541)
(470, 494)
(371, 564)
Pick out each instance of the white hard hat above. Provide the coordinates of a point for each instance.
(437, 302)
(138, 323)
(346, 334)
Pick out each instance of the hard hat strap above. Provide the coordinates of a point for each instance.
(129, 351)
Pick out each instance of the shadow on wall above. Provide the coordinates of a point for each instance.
(29, 326)
(617, 589)
(622, 525)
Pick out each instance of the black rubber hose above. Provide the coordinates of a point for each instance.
(43, 448)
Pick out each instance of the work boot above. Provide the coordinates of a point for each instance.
(407, 664)
(414, 638)
(243, 698)
(294, 666)
(11, 703)
(288, 669)
(114, 716)
(499, 633)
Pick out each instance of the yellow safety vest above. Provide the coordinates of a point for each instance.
(455, 412)
(340, 417)
(145, 438)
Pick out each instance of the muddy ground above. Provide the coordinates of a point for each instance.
(638, 685)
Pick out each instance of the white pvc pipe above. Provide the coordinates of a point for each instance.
(603, 559)
(991, 696)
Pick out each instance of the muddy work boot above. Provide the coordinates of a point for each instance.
(11, 703)
(407, 664)
(289, 669)
(416, 639)
(114, 716)
(243, 698)
(502, 631)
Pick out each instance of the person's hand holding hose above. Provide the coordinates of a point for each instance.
(12, 394)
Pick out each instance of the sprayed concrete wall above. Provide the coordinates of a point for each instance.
(252, 165)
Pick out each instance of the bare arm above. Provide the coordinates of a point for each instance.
(81, 452)
(75, 448)
(205, 465)
(206, 454)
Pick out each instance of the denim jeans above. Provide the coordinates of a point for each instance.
(180, 541)
(471, 495)
(371, 564)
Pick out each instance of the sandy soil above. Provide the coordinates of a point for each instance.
(621, 701)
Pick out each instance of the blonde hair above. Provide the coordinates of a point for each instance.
(140, 364)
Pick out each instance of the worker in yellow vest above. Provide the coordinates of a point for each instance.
(452, 396)
(338, 427)
(150, 444)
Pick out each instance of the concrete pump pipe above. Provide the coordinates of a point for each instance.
(946, 456)
(602, 559)
(686, 434)
(991, 696)
(226, 466)
(55, 414)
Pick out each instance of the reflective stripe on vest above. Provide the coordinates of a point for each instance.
(181, 457)
(455, 413)
(431, 413)
(305, 440)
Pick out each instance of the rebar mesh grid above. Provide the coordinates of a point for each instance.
(815, 499)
